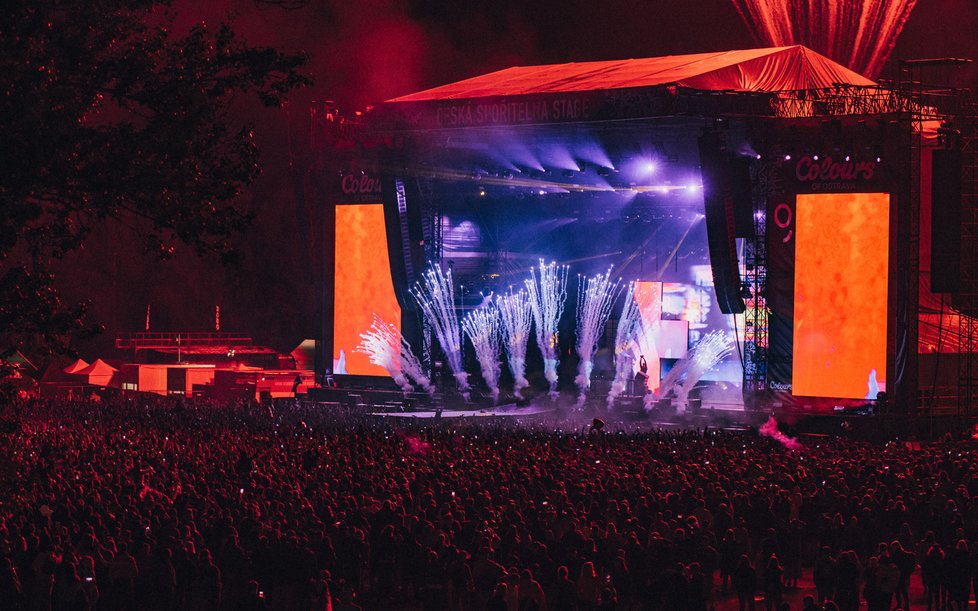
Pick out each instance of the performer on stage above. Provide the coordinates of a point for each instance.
(642, 376)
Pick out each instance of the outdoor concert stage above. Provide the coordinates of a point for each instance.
(768, 195)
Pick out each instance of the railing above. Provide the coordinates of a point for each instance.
(150, 340)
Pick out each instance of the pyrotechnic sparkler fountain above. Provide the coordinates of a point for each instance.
(857, 33)
(629, 329)
(516, 317)
(385, 346)
(595, 297)
(701, 358)
(436, 298)
(482, 327)
(547, 295)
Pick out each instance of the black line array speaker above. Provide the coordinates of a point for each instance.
(718, 200)
(945, 243)
(738, 175)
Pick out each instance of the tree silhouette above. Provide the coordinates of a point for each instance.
(109, 111)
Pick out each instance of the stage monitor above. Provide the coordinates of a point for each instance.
(841, 295)
(362, 285)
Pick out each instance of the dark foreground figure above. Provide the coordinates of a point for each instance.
(123, 504)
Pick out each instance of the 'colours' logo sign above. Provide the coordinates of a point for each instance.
(813, 169)
(362, 184)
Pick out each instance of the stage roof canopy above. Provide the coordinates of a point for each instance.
(750, 70)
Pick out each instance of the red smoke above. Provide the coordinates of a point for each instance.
(770, 429)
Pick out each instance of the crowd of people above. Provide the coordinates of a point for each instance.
(136, 504)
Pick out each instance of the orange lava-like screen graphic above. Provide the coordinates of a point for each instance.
(841, 266)
(362, 285)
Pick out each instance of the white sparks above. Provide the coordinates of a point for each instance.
(547, 295)
(436, 298)
(626, 342)
(516, 316)
(386, 347)
(687, 371)
(482, 327)
(595, 298)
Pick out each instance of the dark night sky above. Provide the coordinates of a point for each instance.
(364, 52)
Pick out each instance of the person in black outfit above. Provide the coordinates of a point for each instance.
(744, 580)
(642, 376)
(773, 585)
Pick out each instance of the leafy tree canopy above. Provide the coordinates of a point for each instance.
(109, 112)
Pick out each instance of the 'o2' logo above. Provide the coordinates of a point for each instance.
(783, 218)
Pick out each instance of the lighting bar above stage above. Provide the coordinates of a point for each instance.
(540, 186)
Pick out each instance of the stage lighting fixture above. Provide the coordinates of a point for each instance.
(603, 171)
(745, 292)
(787, 157)
(482, 192)
(814, 157)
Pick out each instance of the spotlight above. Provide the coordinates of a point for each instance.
(848, 157)
(542, 192)
(482, 192)
(814, 157)
(787, 157)
(758, 156)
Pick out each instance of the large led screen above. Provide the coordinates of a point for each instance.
(841, 264)
(362, 285)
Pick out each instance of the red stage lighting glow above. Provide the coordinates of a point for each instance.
(857, 33)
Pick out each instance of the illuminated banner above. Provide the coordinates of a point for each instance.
(597, 105)
(828, 246)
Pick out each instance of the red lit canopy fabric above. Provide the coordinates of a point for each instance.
(755, 70)
(98, 373)
(75, 367)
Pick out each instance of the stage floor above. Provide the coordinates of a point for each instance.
(507, 411)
